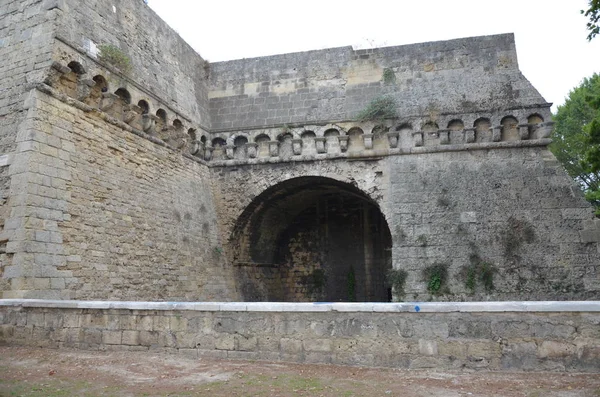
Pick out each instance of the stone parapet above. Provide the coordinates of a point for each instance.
(532, 336)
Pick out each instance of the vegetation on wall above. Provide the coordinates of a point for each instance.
(517, 232)
(114, 56)
(436, 277)
(380, 108)
(351, 285)
(479, 272)
(397, 279)
(315, 282)
(388, 76)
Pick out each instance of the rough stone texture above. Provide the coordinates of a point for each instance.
(179, 180)
(164, 65)
(26, 28)
(446, 77)
(104, 213)
(532, 341)
(510, 208)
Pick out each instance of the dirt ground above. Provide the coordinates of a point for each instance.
(53, 373)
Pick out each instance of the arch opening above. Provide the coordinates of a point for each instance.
(312, 239)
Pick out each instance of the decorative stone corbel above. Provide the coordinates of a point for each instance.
(130, 112)
(56, 71)
(208, 152)
(368, 141)
(320, 144)
(196, 147)
(343, 139)
(545, 129)
(524, 131)
(108, 100)
(252, 149)
(83, 88)
(273, 148)
(149, 122)
(497, 133)
(230, 151)
(417, 138)
(444, 136)
(469, 135)
(393, 139)
(297, 146)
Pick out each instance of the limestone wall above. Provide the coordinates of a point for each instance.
(161, 62)
(446, 77)
(507, 214)
(99, 212)
(531, 336)
(26, 28)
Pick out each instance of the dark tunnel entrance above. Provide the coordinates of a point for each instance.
(312, 239)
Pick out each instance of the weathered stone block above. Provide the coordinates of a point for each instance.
(111, 337)
(224, 342)
(292, 346)
(130, 338)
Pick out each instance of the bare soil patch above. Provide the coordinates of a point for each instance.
(53, 373)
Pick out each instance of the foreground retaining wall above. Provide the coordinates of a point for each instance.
(561, 336)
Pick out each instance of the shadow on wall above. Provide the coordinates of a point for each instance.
(312, 239)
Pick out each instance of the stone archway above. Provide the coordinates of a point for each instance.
(312, 239)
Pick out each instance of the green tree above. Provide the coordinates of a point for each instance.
(593, 13)
(572, 139)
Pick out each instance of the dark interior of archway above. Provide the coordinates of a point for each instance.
(312, 239)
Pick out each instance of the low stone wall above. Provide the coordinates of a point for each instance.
(563, 336)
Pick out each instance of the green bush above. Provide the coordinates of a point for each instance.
(397, 279)
(380, 108)
(436, 277)
(114, 56)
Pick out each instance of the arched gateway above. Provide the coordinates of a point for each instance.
(312, 239)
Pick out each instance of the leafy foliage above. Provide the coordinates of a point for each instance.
(351, 285)
(397, 278)
(436, 277)
(479, 271)
(576, 138)
(388, 76)
(380, 108)
(593, 13)
(114, 56)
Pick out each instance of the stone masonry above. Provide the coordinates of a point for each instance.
(154, 175)
(548, 336)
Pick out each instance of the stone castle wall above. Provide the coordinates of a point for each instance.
(140, 184)
(162, 64)
(512, 208)
(441, 78)
(103, 212)
(26, 29)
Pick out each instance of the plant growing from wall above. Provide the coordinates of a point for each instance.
(397, 279)
(351, 285)
(436, 277)
(380, 108)
(114, 56)
(517, 232)
(422, 240)
(315, 281)
(479, 272)
(388, 76)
